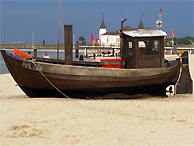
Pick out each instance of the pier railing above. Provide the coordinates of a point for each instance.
(29, 46)
(61, 46)
(49, 46)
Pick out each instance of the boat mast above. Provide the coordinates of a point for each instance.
(59, 3)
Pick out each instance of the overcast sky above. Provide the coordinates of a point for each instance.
(19, 19)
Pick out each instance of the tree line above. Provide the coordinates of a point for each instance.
(180, 41)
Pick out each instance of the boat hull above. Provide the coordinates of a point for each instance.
(40, 79)
(96, 93)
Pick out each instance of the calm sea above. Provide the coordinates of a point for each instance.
(52, 54)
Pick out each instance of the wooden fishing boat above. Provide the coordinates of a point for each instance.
(145, 70)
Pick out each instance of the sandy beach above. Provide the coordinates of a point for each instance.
(150, 121)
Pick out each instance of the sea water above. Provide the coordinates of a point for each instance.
(40, 53)
(3, 68)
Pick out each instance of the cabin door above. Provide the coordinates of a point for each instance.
(130, 55)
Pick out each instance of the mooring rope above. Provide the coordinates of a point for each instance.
(33, 61)
(50, 81)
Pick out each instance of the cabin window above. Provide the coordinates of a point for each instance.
(142, 47)
(156, 46)
(129, 50)
(130, 44)
(149, 47)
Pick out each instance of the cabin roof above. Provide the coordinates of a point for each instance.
(145, 33)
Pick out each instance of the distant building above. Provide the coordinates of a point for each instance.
(102, 29)
(110, 38)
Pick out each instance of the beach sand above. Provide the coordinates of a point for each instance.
(151, 121)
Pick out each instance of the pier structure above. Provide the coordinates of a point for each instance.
(88, 49)
(30, 46)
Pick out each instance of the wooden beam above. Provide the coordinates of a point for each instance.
(68, 40)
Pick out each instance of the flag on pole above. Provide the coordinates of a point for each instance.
(160, 11)
(172, 33)
(92, 38)
(97, 41)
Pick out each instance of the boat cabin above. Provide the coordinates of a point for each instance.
(143, 48)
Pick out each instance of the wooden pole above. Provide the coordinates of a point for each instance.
(68, 40)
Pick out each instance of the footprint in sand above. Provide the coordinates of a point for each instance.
(16, 131)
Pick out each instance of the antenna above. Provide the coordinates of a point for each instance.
(59, 3)
(141, 17)
(141, 26)
(102, 16)
(159, 22)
